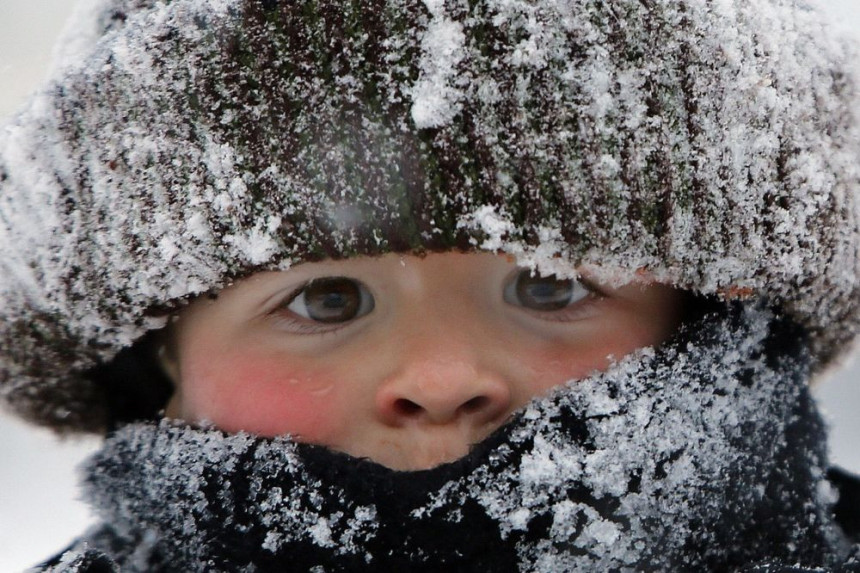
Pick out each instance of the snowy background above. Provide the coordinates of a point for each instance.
(39, 512)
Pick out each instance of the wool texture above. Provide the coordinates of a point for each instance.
(188, 143)
(704, 455)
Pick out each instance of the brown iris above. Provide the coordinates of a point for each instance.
(332, 299)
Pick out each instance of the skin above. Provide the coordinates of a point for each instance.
(444, 357)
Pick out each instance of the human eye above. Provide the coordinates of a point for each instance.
(328, 302)
(547, 294)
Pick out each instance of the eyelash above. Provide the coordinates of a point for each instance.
(577, 310)
(303, 327)
(287, 320)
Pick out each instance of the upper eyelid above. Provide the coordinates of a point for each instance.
(592, 286)
(587, 282)
(288, 294)
(282, 296)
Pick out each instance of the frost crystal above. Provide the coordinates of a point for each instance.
(436, 94)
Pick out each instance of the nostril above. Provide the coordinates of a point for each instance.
(475, 404)
(406, 407)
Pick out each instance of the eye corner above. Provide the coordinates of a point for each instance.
(592, 286)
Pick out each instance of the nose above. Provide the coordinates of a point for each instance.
(444, 388)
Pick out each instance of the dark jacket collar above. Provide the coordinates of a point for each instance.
(847, 509)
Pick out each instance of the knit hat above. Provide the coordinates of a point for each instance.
(712, 144)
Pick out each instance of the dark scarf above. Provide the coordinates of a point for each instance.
(706, 454)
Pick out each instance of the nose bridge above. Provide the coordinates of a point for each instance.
(440, 383)
(439, 341)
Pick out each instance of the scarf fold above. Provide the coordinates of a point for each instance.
(705, 454)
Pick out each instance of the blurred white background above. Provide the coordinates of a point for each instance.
(39, 511)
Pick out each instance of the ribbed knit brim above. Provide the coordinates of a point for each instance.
(713, 144)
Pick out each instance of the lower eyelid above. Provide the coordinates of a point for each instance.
(300, 326)
(585, 308)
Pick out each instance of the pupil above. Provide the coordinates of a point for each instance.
(332, 300)
(543, 293)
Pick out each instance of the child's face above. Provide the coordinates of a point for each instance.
(402, 360)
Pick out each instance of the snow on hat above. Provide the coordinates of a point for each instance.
(713, 144)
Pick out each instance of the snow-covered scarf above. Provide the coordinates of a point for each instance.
(706, 454)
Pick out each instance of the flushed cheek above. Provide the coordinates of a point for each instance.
(555, 367)
(264, 395)
(558, 364)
